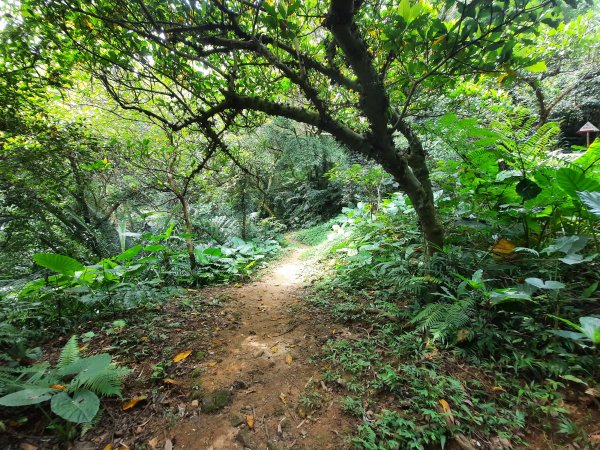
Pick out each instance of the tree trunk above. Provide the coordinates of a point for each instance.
(185, 206)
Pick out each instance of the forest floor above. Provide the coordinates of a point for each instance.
(222, 367)
(266, 365)
(248, 380)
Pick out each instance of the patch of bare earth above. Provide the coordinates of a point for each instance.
(265, 365)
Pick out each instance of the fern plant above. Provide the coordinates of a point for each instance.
(445, 318)
(72, 387)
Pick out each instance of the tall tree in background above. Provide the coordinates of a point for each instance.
(358, 70)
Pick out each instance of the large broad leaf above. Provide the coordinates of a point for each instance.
(591, 328)
(528, 189)
(81, 408)
(567, 244)
(130, 253)
(548, 285)
(575, 258)
(26, 397)
(591, 200)
(572, 181)
(58, 263)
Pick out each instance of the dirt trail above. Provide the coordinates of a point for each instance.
(265, 365)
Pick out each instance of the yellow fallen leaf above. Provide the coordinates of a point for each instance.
(250, 422)
(134, 401)
(108, 447)
(282, 398)
(212, 363)
(171, 381)
(449, 418)
(181, 356)
(274, 349)
(58, 387)
(83, 348)
(152, 443)
(145, 338)
(503, 247)
(498, 389)
(288, 359)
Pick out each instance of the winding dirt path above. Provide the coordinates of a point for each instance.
(265, 366)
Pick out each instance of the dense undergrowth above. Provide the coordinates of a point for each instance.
(494, 336)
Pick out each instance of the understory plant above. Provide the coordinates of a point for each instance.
(73, 386)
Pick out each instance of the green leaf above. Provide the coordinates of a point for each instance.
(575, 258)
(58, 263)
(538, 67)
(213, 251)
(567, 244)
(27, 397)
(591, 328)
(81, 408)
(591, 200)
(573, 181)
(129, 254)
(587, 293)
(548, 285)
(528, 189)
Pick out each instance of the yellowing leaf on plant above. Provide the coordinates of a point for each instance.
(134, 401)
(58, 387)
(181, 356)
(282, 398)
(462, 335)
(439, 39)
(250, 422)
(288, 359)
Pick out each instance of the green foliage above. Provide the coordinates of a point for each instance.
(72, 387)
(315, 235)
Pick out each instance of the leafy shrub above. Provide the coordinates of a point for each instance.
(72, 386)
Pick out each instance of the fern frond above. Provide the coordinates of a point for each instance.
(106, 382)
(69, 354)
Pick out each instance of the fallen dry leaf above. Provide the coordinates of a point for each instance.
(58, 387)
(152, 443)
(282, 398)
(274, 349)
(168, 444)
(181, 356)
(134, 401)
(593, 392)
(594, 437)
(288, 359)
(212, 363)
(448, 418)
(171, 381)
(250, 422)
(108, 447)
(26, 446)
(498, 389)
(503, 248)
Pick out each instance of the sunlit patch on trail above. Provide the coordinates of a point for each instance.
(288, 274)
